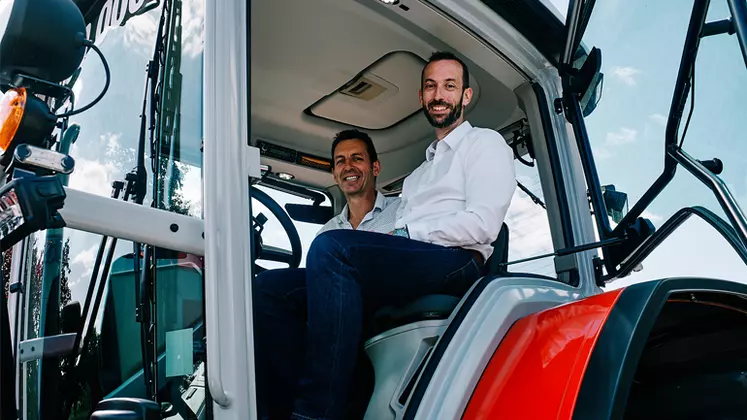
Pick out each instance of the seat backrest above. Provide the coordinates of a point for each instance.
(500, 254)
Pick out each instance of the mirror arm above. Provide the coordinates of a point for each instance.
(719, 188)
(676, 110)
(719, 27)
(574, 15)
(726, 230)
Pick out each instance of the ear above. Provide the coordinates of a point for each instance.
(467, 96)
(420, 96)
(376, 168)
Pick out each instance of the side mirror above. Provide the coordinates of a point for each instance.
(588, 81)
(43, 39)
(615, 202)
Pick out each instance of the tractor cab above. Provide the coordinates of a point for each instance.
(159, 154)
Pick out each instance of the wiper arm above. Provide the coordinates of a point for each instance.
(85, 331)
(145, 292)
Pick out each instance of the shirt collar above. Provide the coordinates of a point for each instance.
(452, 139)
(378, 204)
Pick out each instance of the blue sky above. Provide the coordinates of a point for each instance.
(641, 51)
(641, 43)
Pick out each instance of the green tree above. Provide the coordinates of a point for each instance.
(171, 176)
(7, 259)
(65, 293)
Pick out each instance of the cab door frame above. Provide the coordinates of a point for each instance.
(229, 165)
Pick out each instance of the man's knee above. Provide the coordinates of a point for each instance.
(327, 243)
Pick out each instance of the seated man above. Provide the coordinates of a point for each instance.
(280, 295)
(452, 209)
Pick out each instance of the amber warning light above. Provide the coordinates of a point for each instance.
(12, 106)
(24, 119)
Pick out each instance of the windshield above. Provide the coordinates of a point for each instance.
(273, 233)
(641, 43)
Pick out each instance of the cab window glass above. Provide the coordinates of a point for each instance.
(641, 43)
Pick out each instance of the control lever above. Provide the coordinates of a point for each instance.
(714, 165)
(259, 222)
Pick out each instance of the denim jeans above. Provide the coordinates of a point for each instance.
(279, 302)
(349, 275)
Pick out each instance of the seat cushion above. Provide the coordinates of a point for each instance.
(421, 309)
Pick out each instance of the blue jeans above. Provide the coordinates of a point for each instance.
(279, 306)
(349, 275)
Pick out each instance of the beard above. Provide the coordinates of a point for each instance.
(451, 117)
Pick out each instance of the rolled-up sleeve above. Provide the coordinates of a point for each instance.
(490, 182)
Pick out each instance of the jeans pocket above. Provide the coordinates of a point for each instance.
(460, 280)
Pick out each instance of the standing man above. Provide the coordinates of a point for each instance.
(280, 295)
(452, 209)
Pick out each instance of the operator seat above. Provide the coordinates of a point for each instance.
(439, 306)
(403, 337)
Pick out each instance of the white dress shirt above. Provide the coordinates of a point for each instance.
(460, 195)
(380, 219)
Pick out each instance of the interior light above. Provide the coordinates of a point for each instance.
(390, 2)
(286, 176)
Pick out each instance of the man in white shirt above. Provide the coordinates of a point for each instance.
(452, 209)
(279, 301)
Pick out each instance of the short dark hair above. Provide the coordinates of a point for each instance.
(355, 135)
(446, 55)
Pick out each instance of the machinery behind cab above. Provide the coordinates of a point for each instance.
(42, 44)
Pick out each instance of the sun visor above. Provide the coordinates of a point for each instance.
(379, 97)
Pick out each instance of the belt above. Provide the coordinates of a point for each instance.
(477, 256)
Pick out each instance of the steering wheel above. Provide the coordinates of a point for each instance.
(272, 253)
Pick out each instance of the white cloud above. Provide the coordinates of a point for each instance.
(622, 136)
(659, 119)
(77, 89)
(529, 227)
(652, 216)
(92, 177)
(86, 259)
(192, 189)
(140, 31)
(602, 153)
(95, 176)
(193, 19)
(626, 74)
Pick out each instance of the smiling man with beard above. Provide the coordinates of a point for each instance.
(452, 209)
